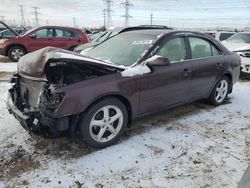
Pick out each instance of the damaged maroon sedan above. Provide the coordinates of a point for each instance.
(96, 96)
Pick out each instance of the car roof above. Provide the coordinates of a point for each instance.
(158, 32)
(54, 26)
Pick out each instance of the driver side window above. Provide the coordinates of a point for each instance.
(174, 50)
(44, 33)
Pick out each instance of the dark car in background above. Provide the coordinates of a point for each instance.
(103, 36)
(37, 38)
(97, 96)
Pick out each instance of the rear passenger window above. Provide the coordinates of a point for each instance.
(202, 48)
(62, 33)
(174, 50)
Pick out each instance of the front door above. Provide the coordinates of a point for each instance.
(40, 39)
(167, 85)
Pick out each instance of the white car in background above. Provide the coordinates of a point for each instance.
(240, 44)
(223, 35)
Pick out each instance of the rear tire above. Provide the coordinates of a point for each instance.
(104, 123)
(15, 53)
(220, 92)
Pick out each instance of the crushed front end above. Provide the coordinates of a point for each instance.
(33, 104)
(43, 95)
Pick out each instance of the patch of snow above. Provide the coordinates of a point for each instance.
(196, 145)
(8, 67)
(136, 70)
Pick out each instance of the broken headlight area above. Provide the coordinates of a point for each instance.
(32, 103)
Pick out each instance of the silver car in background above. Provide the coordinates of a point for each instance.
(240, 44)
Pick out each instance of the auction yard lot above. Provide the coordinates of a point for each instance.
(195, 145)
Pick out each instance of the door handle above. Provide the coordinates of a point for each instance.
(187, 72)
(219, 65)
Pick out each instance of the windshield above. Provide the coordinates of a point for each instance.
(240, 37)
(7, 34)
(123, 49)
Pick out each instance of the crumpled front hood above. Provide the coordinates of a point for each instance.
(33, 64)
(236, 46)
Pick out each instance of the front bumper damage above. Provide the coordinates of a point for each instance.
(35, 120)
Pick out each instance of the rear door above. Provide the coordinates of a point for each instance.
(207, 65)
(167, 85)
(66, 39)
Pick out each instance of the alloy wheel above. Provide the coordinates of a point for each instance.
(106, 123)
(221, 91)
(17, 53)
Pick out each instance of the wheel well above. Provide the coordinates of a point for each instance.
(20, 45)
(229, 76)
(124, 100)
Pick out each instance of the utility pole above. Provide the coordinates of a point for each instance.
(14, 22)
(108, 11)
(127, 5)
(74, 21)
(151, 19)
(36, 15)
(22, 14)
(28, 22)
(104, 17)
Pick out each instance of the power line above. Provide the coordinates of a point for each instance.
(127, 5)
(108, 10)
(36, 15)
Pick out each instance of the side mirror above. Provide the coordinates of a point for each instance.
(157, 60)
(33, 36)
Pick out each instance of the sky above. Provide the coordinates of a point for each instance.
(174, 13)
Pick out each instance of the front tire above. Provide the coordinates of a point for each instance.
(104, 123)
(15, 53)
(220, 92)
